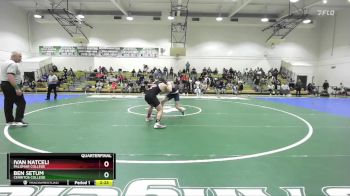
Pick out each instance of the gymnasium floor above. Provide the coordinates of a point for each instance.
(269, 142)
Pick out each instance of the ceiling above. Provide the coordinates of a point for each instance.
(198, 8)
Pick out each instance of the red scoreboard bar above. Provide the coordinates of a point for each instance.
(81, 169)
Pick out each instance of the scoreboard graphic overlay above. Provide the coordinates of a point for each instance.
(80, 169)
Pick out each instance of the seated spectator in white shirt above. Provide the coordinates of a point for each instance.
(198, 89)
(285, 89)
(341, 89)
(99, 86)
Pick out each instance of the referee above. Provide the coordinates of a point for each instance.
(52, 84)
(10, 77)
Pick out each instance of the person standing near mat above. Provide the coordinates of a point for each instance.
(10, 84)
(298, 88)
(160, 86)
(174, 94)
(52, 84)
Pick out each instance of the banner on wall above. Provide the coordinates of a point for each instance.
(92, 51)
(287, 70)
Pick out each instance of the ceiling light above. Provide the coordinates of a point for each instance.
(219, 19)
(130, 18)
(307, 21)
(38, 16)
(324, 1)
(80, 16)
(265, 20)
(171, 17)
(294, 1)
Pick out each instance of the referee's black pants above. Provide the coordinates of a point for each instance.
(50, 88)
(11, 98)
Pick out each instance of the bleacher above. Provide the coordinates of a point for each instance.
(84, 82)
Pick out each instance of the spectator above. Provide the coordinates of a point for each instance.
(325, 86)
(216, 71)
(204, 71)
(184, 78)
(25, 84)
(145, 68)
(120, 78)
(171, 73)
(133, 73)
(240, 86)
(198, 88)
(104, 70)
(291, 84)
(277, 84)
(341, 89)
(220, 87)
(54, 68)
(187, 67)
(285, 90)
(32, 84)
(65, 72)
(209, 70)
(111, 70)
(257, 83)
(131, 86)
(44, 77)
(100, 76)
(99, 86)
(159, 74)
(298, 88)
(71, 73)
(114, 86)
(204, 88)
(143, 86)
(165, 71)
(275, 73)
(234, 88)
(194, 72)
(123, 87)
(309, 88)
(270, 88)
(206, 80)
(231, 71)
